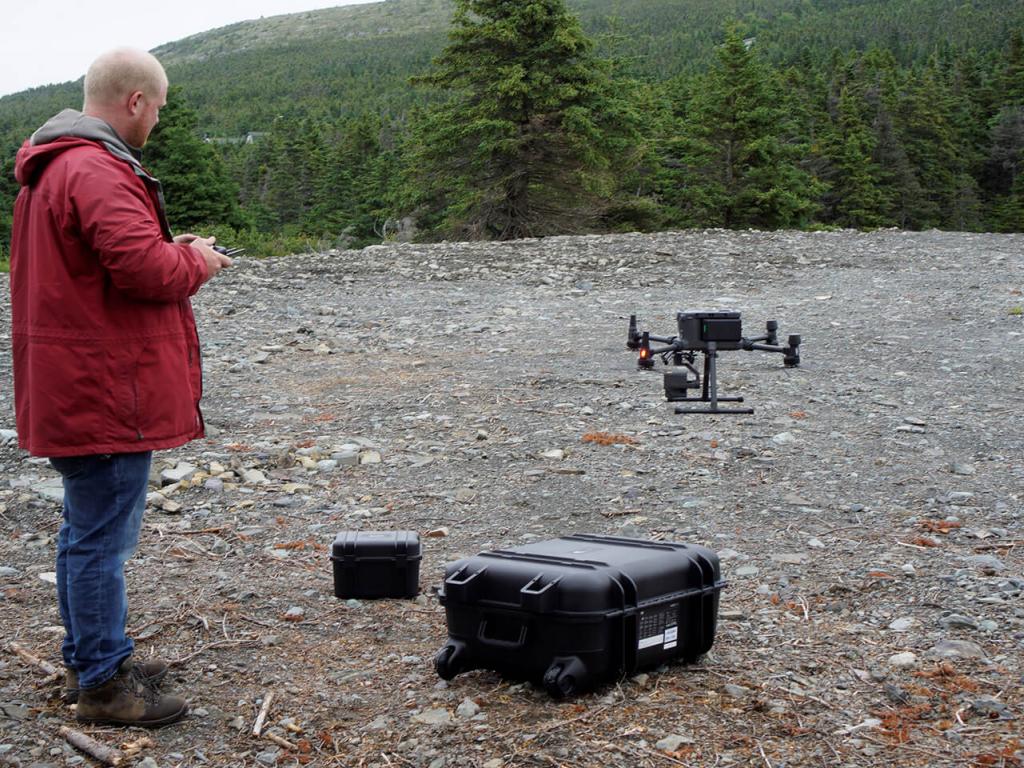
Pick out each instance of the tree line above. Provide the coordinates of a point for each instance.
(525, 128)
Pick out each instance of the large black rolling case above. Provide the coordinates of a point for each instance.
(577, 611)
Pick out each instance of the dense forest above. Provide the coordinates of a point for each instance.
(510, 118)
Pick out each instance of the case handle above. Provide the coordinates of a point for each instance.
(511, 645)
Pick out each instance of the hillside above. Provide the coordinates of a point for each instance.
(352, 59)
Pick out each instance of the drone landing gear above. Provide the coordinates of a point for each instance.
(677, 384)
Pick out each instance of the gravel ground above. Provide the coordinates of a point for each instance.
(867, 515)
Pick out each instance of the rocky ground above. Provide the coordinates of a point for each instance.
(868, 515)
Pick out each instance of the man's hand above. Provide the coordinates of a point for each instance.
(215, 262)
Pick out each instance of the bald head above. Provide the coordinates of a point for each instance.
(126, 87)
(115, 75)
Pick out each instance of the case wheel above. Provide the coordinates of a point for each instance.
(564, 677)
(449, 660)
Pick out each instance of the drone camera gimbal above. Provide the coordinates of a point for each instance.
(706, 332)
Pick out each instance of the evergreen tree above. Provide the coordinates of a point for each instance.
(855, 197)
(197, 188)
(1004, 171)
(741, 160)
(930, 142)
(532, 137)
(1011, 80)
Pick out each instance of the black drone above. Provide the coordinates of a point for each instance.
(707, 332)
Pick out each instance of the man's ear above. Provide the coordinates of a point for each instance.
(134, 101)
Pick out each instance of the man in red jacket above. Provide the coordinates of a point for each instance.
(106, 360)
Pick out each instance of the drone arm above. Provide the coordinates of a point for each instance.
(752, 344)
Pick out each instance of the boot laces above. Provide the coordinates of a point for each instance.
(144, 685)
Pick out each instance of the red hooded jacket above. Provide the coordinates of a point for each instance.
(106, 354)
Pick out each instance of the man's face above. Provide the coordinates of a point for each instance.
(145, 116)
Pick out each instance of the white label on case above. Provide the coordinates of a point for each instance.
(650, 642)
(671, 635)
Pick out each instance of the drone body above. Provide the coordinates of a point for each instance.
(707, 332)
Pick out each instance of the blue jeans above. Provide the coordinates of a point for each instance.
(104, 498)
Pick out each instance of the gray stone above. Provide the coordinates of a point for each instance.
(903, 624)
(791, 558)
(467, 709)
(14, 711)
(957, 649)
(904, 659)
(672, 742)
(51, 488)
(958, 621)
(435, 717)
(254, 477)
(183, 471)
(986, 563)
(986, 706)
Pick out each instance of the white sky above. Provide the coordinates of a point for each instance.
(56, 41)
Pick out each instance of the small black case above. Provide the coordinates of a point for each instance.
(371, 564)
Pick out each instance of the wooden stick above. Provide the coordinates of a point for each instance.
(103, 753)
(280, 742)
(132, 748)
(257, 727)
(35, 661)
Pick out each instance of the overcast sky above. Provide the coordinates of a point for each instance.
(56, 41)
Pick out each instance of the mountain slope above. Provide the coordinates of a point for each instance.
(352, 59)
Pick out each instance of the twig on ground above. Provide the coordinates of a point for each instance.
(132, 748)
(257, 727)
(103, 753)
(280, 741)
(34, 660)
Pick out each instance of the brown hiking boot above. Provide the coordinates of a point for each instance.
(153, 670)
(128, 698)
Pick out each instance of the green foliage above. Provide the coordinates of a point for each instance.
(196, 187)
(263, 244)
(739, 155)
(856, 197)
(302, 131)
(533, 134)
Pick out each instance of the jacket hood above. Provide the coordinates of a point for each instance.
(63, 131)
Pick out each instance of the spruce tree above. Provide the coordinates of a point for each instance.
(1011, 79)
(741, 159)
(197, 188)
(1004, 171)
(532, 136)
(855, 198)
